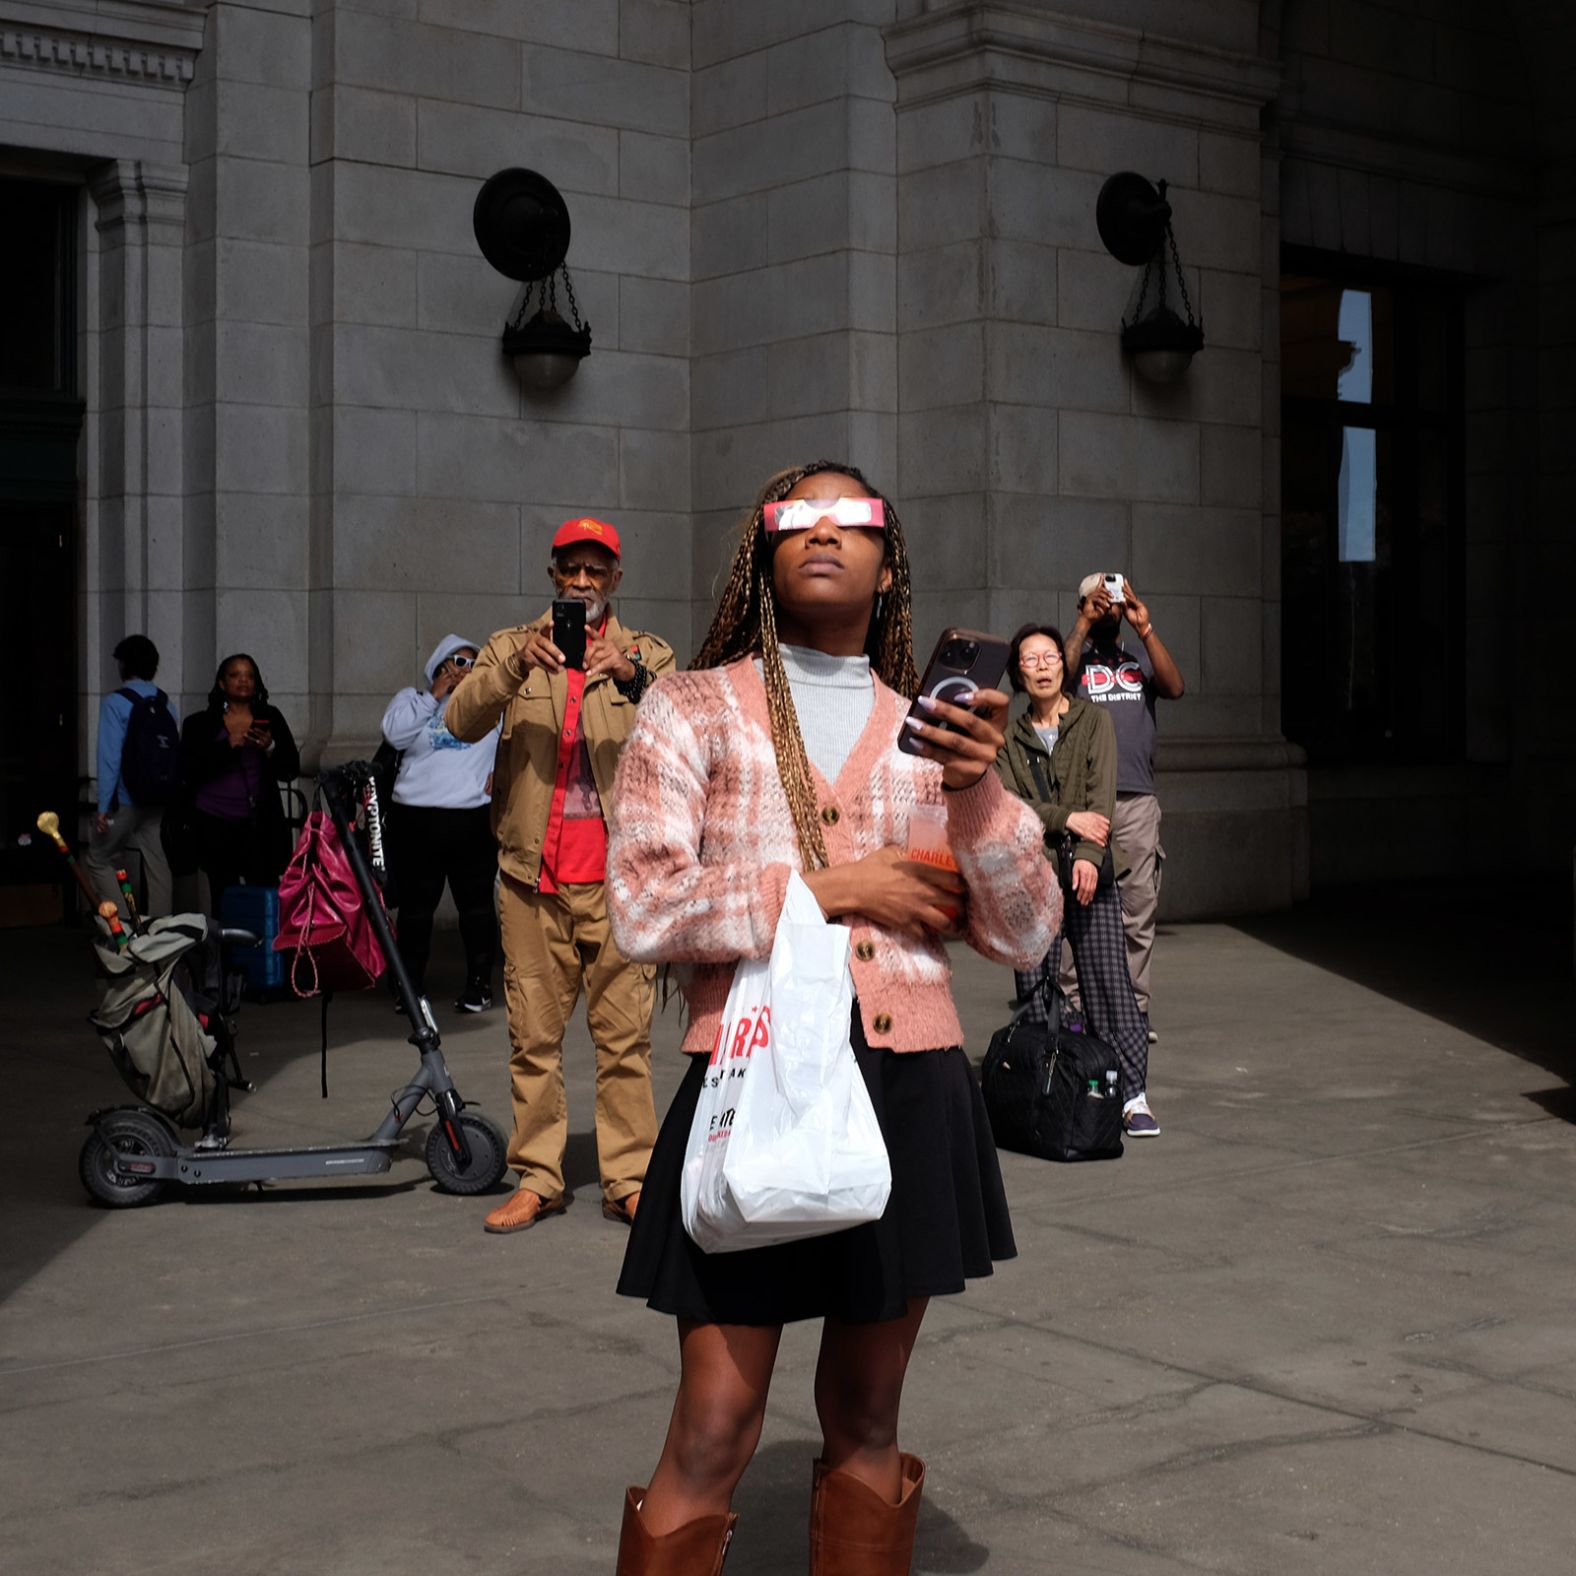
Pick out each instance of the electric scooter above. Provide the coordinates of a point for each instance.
(135, 1153)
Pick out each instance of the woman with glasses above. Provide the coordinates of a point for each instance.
(1060, 759)
(439, 828)
(235, 753)
(779, 753)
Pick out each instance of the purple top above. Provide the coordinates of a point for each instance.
(231, 795)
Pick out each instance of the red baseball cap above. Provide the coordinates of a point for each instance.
(585, 529)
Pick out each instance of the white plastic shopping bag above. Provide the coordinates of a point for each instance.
(785, 1142)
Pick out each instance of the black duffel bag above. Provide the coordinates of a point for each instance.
(1051, 1090)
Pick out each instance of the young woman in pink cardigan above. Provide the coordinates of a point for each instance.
(778, 753)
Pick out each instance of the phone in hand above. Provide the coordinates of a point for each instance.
(964, 661)
(569, 630)
(1115, 587)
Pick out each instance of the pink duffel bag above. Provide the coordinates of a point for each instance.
(323, 916)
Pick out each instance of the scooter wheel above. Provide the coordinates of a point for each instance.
(125, 1132)
(489, 1155)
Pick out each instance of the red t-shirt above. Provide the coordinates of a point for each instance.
(575, 848)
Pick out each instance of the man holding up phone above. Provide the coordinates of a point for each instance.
(565, 688)
(1126, 681)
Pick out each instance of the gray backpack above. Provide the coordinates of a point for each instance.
(147, 1020)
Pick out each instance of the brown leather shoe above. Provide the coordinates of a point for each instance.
(522, 1210)
(622, 1209)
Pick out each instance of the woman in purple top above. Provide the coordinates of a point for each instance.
(234, 754)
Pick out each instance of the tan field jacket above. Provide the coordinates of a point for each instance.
(532, 708)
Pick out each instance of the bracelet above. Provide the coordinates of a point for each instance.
(635, 685)
(1144, 634)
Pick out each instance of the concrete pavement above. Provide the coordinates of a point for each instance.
(1323, 1324)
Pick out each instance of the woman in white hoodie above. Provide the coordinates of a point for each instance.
(439, 827)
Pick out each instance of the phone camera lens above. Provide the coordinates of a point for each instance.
(959, 653)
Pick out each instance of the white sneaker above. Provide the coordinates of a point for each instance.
(1138, 1120)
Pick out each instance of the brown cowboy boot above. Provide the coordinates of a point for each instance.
(854, 1532)
(698, 1548)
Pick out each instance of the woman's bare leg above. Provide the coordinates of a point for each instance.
(726, 1372)
(858, 1390)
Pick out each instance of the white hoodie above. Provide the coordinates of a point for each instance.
(438, 771)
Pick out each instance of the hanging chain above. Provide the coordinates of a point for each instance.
(1176, 258)
(569, 290)
(1143, 293)
(541, 295)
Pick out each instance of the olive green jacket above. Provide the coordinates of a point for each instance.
(1080, 774)
(532, 706)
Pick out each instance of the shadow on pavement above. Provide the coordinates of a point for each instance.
(1492, 961)
(56, 1073)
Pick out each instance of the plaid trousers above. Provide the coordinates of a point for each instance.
(1110, 1008)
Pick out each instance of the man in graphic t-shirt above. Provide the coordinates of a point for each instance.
(1125, 679)
(563, 729)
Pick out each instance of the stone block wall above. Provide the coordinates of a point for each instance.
(437, 482)
(247, 354)
(851, 228)
(794, 236)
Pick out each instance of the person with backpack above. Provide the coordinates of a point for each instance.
(139, 771)
(235, 753)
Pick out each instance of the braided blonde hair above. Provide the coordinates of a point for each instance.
(746, 623)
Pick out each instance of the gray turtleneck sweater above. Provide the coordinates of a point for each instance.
(833, 697)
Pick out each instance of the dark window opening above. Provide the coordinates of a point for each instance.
(38, 283)
(1371, 532)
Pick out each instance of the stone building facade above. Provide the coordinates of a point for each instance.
(278, 418)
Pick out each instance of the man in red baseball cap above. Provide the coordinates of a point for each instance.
(566, 715)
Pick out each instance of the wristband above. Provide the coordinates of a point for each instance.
(635, 685)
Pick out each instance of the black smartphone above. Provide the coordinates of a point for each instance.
(569, 630)
(965, 660)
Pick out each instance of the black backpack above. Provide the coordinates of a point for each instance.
(150, 759)
(1051, 1090)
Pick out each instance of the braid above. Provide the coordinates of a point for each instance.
(793, 766)
(745, 623)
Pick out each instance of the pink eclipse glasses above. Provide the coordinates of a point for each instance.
(799, 514)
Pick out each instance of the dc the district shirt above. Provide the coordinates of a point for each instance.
(1123, 681)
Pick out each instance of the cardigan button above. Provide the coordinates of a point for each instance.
(831, 814)
(865, 951)
(882, 1022)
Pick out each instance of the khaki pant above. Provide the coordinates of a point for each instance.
(133, 827)
(553, 945)
(1136, 827)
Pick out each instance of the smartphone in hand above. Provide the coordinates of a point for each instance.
(569, 630)
(964, 661)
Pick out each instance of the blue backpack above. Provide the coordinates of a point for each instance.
(150, 759)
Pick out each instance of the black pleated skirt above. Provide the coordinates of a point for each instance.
(946, 1221)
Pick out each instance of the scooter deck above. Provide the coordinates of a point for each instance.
(193, 1167)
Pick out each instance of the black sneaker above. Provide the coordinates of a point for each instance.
(476, 997)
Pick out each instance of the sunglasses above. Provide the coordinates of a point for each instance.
(799, 514)
(462, 663)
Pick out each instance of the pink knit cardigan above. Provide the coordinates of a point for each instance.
(702, 843)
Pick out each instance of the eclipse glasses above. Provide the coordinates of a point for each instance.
(799, 514)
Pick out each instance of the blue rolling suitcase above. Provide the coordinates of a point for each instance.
(256, 908)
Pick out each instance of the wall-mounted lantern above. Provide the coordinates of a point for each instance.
(1134, 221)
(522, 227)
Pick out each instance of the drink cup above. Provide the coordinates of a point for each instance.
(927, 843)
